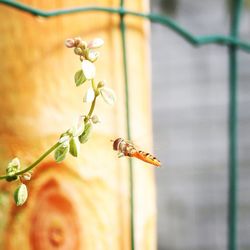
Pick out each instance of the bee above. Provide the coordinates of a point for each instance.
(125, 148)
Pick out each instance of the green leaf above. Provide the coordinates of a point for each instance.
(108, 95)
(74, 146)
(21, 195)
(79, 77)
(84, 137)
(61, 152)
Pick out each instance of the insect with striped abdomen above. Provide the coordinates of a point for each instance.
(126, 148)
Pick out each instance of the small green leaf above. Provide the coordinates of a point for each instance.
(108, 95)
(86, 133)
(79, 77)
(61, 152)
(88, 69)
(74, 146)
(21, 195)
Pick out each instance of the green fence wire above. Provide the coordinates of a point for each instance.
(233, 161)
(125, 69)
(233, 42)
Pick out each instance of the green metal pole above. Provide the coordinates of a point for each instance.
(131, 175)
(233, 154)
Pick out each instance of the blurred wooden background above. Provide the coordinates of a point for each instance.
(82, 203)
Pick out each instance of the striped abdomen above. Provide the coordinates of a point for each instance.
(147, 157)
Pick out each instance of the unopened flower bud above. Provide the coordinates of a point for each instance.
(27, 176)
(83, 44)
(70, 43)
(77, 41)
(101, 84)
(78, 51)
(95, 119)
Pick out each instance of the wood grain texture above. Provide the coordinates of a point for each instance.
(84, 202)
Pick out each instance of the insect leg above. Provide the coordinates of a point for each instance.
(120, 154)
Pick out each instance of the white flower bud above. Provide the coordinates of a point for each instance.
(70, 43)
(88, 69)
(108, 95)
(89, 96)
(92, 55)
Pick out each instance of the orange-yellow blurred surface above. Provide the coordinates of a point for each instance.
(84, 202)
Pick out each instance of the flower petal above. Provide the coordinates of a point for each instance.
(89, 96)
(96, 43)
(108, 95)
(88, 69)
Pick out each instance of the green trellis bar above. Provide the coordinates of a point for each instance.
(233, 43)
(233, 122)
(131, 176)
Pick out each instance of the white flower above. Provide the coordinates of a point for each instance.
(96, 43)
(108, 95)
(89, 96)
(63, 139)
(88, 69)
(93, 55)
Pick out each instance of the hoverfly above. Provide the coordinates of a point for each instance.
(125, 148)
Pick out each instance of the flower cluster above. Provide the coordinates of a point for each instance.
(69, 141)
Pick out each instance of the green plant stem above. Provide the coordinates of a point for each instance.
(35, 163)
(92, 107)
(94, 101)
